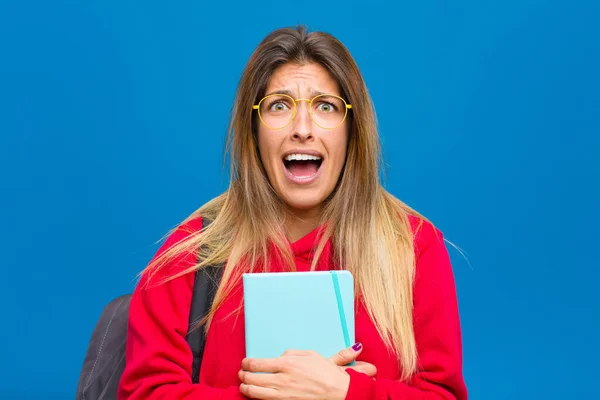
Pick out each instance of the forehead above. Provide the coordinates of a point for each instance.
(302, 80)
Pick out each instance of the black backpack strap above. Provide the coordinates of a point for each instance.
(206, 284)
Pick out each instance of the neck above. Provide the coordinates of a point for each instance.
(300, 223)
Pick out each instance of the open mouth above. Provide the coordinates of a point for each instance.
(302, 165)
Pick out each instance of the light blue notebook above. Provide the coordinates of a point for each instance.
(298, 310)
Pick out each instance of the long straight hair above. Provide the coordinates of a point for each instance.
(367, 226)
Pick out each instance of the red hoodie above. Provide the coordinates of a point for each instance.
(159, 360)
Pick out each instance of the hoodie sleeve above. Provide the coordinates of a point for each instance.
(437, 333)
(158, 358)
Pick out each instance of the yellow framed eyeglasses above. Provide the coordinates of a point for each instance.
(277, 111)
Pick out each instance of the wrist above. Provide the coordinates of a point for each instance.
(341, 389)
(361, 387)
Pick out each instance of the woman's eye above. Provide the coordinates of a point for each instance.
(278, 107)
(326, 107)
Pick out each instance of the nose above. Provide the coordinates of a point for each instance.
(302, 127)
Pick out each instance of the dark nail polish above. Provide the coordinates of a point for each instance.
(357, 346)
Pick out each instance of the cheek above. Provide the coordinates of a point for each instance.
(267, 148)
(338, 145)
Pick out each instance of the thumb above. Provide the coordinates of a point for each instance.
(347, 355)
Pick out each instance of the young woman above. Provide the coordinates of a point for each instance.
(304, 195)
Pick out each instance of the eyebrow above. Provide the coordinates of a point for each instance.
(312, 93)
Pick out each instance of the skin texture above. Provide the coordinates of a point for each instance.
(305, 201)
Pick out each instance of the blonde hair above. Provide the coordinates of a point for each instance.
(368, 227)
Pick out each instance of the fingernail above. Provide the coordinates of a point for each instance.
(357, 346)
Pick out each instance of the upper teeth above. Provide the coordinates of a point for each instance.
(301, 157)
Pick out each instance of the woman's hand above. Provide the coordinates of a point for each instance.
(300, 374)
(346, 356)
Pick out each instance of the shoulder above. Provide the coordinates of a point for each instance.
(425, 235)
(171, 259)
(190, 226)
(434, 285)
(182, 231)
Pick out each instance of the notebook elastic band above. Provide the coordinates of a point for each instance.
(340, 304)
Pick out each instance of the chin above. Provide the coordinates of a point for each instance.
(304, 203)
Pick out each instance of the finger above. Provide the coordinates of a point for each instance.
(262, 364)
(291, 353)
(256, 379)
(347, 355)
(365, 368)
(257, 392)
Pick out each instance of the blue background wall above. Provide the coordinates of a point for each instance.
(112, 118)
